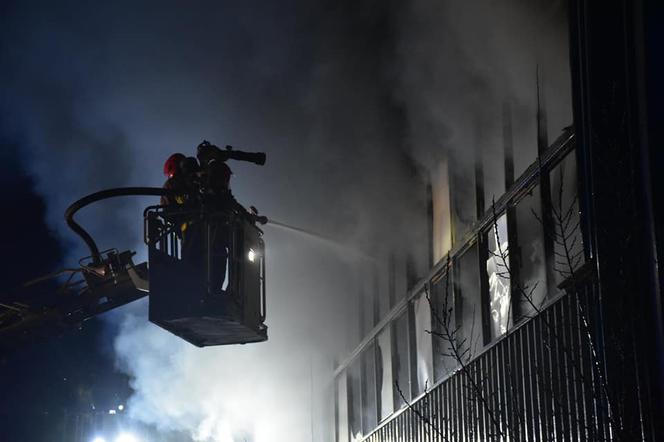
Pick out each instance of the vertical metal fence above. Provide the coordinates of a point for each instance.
(543, 381)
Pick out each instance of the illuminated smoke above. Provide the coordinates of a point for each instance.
(261, 392)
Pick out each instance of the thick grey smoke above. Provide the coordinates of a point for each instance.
(460, 62)
(337, 94)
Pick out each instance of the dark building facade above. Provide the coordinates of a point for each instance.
(540, 317)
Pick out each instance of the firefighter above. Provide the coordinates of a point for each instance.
(191, 173)
(216, 176)
(205, 189)
(184, 177)
(175, 180)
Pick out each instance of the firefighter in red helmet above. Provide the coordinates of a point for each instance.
(175, 180)
(183, 177)
(183, 174)
(209, 210)
(172, 165)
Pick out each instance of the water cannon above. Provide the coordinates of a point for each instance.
(207, 152)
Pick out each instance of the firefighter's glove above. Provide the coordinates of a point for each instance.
(261, 219)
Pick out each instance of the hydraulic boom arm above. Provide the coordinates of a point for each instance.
(64, 299)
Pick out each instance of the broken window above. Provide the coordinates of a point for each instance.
(497, 269)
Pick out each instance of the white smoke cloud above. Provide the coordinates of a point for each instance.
(219, 394)
(258, 392)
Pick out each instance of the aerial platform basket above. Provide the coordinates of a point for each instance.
(207, 275)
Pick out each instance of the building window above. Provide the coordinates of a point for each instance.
(369, 409)
(442, 299)
(497, 266)
(464, 207)
(354, 400)
(442, 214)
(341, 410)
(384, 373)
(568, 245)
(401, 360)
(468, 305)
(532, 255)
(423, 363)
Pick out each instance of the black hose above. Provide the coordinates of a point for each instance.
(98, 196)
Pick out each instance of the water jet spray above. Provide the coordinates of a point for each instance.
(324, 239)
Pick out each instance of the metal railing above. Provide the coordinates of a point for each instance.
(541, 382)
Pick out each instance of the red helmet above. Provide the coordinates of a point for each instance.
(172, 164)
